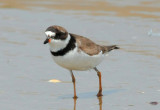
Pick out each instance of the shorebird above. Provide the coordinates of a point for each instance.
(75, 52)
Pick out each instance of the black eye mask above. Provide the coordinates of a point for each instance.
(61, 36)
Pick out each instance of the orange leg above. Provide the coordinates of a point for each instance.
(100, 82)
(74, 85)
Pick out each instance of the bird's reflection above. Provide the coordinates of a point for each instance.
(100, 102)
(75, 102)
(99, 99)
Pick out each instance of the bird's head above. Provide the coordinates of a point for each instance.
(57, 37)
(55, 33)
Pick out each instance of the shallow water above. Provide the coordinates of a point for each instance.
(130, 76)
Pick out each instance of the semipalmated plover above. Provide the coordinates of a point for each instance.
(75, 52)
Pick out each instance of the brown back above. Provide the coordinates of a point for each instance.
(86, 45)
(91, 48)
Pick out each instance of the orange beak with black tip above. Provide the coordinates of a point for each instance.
(47, 41)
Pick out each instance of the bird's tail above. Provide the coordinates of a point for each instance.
(112, 47)
(107, 49)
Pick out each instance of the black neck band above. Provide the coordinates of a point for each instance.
(70, 46)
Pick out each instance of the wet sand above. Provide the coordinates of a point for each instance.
(142, 8)
(130, 76)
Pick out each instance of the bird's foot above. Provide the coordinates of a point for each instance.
(75, 97)
(99, 94)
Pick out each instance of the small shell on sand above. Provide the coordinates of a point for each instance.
(54, 81)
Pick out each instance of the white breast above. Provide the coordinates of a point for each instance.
(75, 60)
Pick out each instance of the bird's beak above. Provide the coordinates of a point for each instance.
(47, 41)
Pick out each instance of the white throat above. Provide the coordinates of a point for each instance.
(57, 44)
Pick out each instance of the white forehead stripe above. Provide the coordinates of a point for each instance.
(49, 33)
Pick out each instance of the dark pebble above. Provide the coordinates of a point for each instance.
(153, 103)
